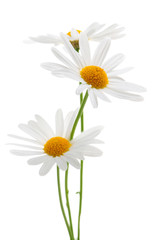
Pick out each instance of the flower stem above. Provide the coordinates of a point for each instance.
(61, 203)
(79, 115)
(81, 175)
(67, 200)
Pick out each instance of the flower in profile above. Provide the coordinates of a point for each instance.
(48, 148)
(95, 32)
(99, 77)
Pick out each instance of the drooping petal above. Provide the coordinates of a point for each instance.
(49, 38)
(46, 167)
(73, 161)
(61, 163)
(93, 98)
(123, 95)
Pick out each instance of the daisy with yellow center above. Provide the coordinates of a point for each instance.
(95, 32)
(95, 74)
(49, 148)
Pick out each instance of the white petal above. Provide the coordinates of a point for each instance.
(84, 48)
(113, 62)
(124, 95)
(26, 153)
(70, 124)
(93, 98)
(59, 123)
(53, 66)
(81, 88)
(74, 162)
(25, 139)
(91, 151)
(101, 95)
(47, 39)
(39, 160)
(74, 34)
(64, 59)
(61, 163)
(25, 128)
(87, 135)
(75, 56)
(34, 126)
(26, 146)
(126, 86)
(74, 154)
(101, 52)
(44, 126)
(118, 72)
(69, 74)
(46, 167)
(93, 28)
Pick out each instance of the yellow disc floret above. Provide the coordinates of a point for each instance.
(94, 76)
(69, 33)
(57, 146)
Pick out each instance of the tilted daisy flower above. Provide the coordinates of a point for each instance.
(95, 32)
(94, 74)
(49, 148)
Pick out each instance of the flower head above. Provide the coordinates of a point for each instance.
(95, 32)
(49, 148)
(95, 74)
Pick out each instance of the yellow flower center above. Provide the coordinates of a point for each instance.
(57, 146)
(94, 76)
(69, 33)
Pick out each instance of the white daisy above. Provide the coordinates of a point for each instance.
(49, 148)
(95, 32)
(94, 74)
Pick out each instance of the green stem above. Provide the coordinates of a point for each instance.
(67, 200)
(79, 115)
(81, 175)
(61, 203)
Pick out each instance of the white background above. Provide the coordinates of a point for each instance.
(121, 198)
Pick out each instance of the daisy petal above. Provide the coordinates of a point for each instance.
(53, 66)
(118, 72)
(84, 48)
(81, 88)
(26, 153)
(61, 163)
(64, 59)
(46, 167)
(75, 56)
(59, 123)
(74, 162)
(44, 126)
(126, 86)
(93, 98)
(25, 128)
(25, 139)
(113, 62)
(93, 28)
(101, 95)
(25, 146)
(39, 160)
(87, 135)
(70, 124)
(123, 95)
(47, 39)
(101, 52)
(92, 151)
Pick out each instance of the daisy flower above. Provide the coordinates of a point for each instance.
(48, 148)
(94, 74)
(95, 32)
